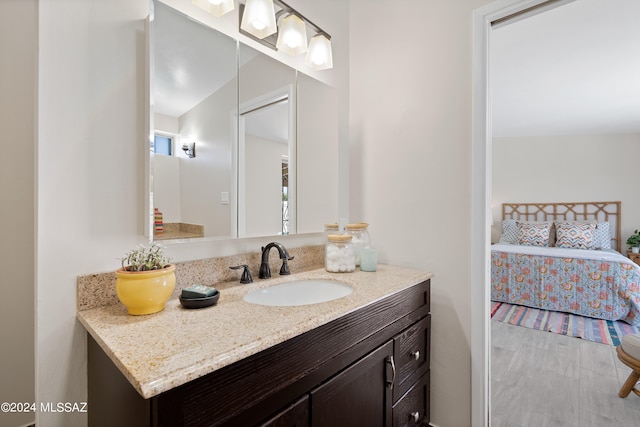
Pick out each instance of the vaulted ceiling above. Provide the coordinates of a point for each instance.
(574, 69)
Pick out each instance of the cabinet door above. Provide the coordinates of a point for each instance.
(295, 415)
(358, 396)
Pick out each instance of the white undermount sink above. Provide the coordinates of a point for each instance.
(301, 292)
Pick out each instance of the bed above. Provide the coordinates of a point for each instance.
(565, 257)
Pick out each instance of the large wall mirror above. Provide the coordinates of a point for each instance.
(244, 146)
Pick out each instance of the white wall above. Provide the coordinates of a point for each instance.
(263, 196)
(165, 170)
(166, 184)
(410, 93)
(18, 77)
(203, 178)
(317, 153)
(90, 152)
(165, 123)
(567, 168)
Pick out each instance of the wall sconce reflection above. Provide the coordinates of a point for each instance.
(189, 149)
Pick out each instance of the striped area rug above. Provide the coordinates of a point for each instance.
(602, 331)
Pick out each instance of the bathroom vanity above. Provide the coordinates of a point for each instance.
(360, 360)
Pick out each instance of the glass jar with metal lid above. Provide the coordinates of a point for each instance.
(340, 255)
(360, 233)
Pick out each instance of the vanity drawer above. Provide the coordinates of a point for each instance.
(411, 353)
(413, 408)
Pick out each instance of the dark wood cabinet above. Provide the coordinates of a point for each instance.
(358, 396)
(294, 415)
(413, 408)
(411, 349)
(369, 367)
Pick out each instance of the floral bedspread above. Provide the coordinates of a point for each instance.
(601, 288)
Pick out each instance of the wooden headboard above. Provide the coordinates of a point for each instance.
(576, 211)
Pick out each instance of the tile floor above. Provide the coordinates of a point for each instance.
(544, 379)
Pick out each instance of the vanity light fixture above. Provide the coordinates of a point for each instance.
(292, 36)
(319, 56)
(290, 33)
(189, 149)
(215, 7)
(259, 18)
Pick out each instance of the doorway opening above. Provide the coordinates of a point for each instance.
(499, 12)
(266, 143)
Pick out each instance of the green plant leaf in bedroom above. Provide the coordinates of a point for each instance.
(634, 239)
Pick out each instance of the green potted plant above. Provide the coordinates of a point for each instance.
(634, 242)
(146, 279)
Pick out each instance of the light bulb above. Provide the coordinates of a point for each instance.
(320, 56)
(258, 18)
(292, 36)
(215, 7)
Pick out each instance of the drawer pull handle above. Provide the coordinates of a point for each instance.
(393, 372)
(415, 416)
(416, 355)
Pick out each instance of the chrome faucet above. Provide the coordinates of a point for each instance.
(265, 271)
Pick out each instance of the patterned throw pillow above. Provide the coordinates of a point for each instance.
(575, 235)
(602, 238)
(509, 232)
(533, 234)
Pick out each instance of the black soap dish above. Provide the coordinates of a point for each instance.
(200, 302)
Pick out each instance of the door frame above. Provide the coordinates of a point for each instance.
(285, 92)
(481, 203)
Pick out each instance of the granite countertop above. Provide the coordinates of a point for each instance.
(161, 351)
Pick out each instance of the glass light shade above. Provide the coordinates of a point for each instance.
(215, 7)
(319, 56)
(292, 36)
(259, 18)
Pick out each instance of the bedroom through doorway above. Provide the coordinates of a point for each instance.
(515, 119)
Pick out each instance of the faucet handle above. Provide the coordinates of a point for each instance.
(246, 275)
(284, 270)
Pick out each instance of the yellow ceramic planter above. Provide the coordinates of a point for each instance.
(145, 292)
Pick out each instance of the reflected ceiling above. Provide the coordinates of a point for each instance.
(179, 42)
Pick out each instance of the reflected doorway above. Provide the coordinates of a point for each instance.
(265, 145)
